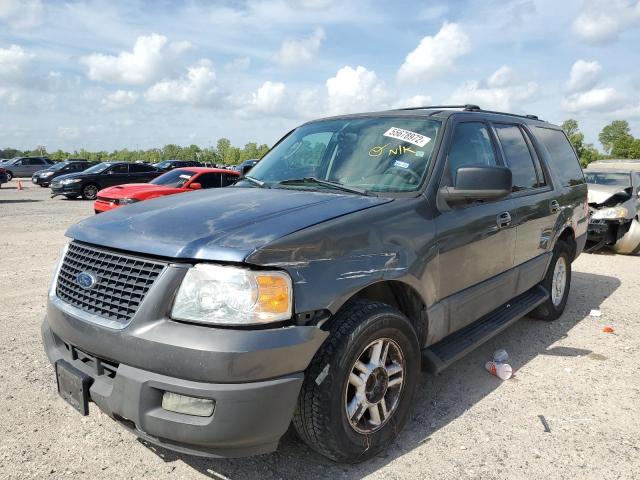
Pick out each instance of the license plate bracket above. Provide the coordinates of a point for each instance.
(73, 386)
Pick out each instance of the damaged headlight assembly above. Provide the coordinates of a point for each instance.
(233, 296)
(612, 213)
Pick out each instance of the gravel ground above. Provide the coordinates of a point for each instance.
(466, 423)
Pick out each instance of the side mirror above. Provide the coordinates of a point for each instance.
(479, 182)
(195, 186)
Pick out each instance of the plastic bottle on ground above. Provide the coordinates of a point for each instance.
(500, 356)
(501, 370)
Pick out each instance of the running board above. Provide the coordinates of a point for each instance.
(440, 355)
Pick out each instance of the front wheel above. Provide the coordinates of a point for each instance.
(89, 192)
(357, 393)
(9, 176)
(557, 282)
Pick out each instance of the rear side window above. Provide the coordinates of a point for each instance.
(518, 156)
(209, 180)
(471, 145)
(140, 168)
(562, 158)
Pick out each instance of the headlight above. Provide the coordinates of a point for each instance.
(70, 180)
(611, 213)
(127, 201)
(225, 295)
(46, 174)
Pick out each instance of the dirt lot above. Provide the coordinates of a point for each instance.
(466, 423)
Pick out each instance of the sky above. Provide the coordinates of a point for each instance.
(106, 74)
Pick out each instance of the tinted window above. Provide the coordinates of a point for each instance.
(563, 160)
(38, 161)
(228, 179)
(518, 156)
(209, 180)
(471, 145)
(123, 168)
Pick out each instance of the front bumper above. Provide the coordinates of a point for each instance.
(248, 419)
(104, 205)
(69, 189)
(38, 180)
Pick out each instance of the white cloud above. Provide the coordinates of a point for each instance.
(300, 51)
(151, 58)
(354, 89)
(120, 98)
(13, 63)
(501, 78)
(269, 98)
(197, 87)
(435, 55)
(311, 4)
(69, 133)
(414, 101)
(499, 92)
(597, 99)
(584, 75)
(601, 21)
(238, 64)
(20, 14)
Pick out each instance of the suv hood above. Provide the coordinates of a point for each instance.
(225, 224)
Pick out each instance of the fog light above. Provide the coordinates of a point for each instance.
(200, 407)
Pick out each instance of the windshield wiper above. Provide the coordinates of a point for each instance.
(255, 181)
(325, 183)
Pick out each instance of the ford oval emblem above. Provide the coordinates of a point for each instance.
(86, 280)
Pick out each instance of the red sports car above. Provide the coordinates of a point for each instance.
(175, 181)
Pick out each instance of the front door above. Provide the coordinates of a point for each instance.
(476, 241)
(116, 175)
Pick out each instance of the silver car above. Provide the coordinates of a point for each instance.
(25, 166)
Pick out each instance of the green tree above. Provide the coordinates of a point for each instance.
(612, 133)
(575, 135)
(623, 147)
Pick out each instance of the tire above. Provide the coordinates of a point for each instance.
(43, 186)
(71, 197)
(9, 176)
(553, 307)
(321, 417)
(90, 191)
(629, 243)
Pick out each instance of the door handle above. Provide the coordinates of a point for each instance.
(554, 206)
(504, 220)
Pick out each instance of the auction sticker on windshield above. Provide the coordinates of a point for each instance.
(407, 136)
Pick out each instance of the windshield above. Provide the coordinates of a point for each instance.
(383, 154)
(101, 167)
(58, 166)
(175, 178)
(164, 164)
(608, 178)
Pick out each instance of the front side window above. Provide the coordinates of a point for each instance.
(119, 169)
(383, 154)
(518, 156)
(209, 180)
(471, 145)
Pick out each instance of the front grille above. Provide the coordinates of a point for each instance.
(121, 281)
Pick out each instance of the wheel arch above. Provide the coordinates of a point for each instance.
(568, 236)
(399, 295)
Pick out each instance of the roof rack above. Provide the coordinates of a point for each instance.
(469, 108)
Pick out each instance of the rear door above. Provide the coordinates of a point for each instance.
(534, 207)
(476, 241)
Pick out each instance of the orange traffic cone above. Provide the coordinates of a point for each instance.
(19, 185)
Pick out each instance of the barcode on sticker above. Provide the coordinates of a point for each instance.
(407, 136)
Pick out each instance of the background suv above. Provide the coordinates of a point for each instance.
(25, 166)
(88, 182)
(167, 165)
(360, 248)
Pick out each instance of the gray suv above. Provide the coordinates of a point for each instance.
(360, 249)
(25, 166)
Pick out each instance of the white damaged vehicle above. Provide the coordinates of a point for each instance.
(614, 204)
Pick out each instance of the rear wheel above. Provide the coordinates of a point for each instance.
(358, 390)
(557, 282)
(9, 176)
(90, 191)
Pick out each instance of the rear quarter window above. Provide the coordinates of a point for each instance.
(562, 159)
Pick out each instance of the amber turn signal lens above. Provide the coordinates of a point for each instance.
(274, 295)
